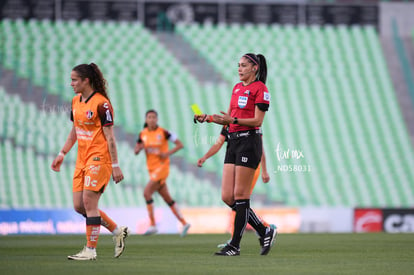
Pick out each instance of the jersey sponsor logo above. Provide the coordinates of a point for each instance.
(89, 114)
(266, 96)
(152, 150)
(83, 134)
(242, 101)
(94, 169)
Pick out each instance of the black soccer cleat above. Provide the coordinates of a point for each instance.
(267, 240)
(228, 250)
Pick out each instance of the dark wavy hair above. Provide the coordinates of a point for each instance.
(94, 74)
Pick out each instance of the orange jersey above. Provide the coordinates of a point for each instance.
(156, 142)
(89, 117)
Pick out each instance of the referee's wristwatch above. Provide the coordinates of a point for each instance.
(235, 121)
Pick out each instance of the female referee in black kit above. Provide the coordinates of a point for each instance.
(249, 102)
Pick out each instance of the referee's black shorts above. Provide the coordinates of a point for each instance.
(244, 149)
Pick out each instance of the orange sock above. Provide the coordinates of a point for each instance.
(177, 212)
(93, 226)
(150, 208)
(265, 223)
(107, 222)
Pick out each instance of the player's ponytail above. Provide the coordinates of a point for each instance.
(260, 61)
(99, 83)
(262, 74)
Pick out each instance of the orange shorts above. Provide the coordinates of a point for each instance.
(92, 177)
(255, 178)
(160, 174)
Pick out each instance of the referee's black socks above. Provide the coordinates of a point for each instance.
(240, 221)
(256, 223)
(253, 220)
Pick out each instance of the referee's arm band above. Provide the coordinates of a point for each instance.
(263, 106)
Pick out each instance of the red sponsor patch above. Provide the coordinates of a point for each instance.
(368, 220)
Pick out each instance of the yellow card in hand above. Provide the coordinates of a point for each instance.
(196, 109)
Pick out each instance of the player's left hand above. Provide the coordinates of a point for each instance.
(265, 177)
(57, 162)
(117, 175)
(200, 162)
(164, 155)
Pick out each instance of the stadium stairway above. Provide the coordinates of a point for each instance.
(397, 77)
(189, 57)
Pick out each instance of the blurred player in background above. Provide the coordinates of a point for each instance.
(154, 140)
(223, 137)
(249, 102)
(97, 160)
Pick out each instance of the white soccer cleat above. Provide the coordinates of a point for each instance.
(119, 241)
(151, 230)
(86, 254)
(185, 230)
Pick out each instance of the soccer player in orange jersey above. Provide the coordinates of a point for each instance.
(262, 167)
(97, 159)
(154, 140)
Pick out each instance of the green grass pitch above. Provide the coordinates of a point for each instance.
(377, 253)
